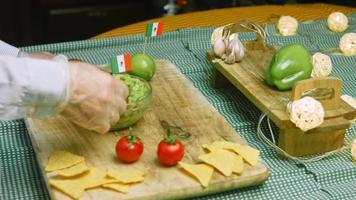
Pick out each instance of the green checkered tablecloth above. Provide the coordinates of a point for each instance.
(331, 178)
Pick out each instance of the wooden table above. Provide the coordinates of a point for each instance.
(218, 17)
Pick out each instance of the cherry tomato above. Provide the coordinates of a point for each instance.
(129, 148)
(170, 151)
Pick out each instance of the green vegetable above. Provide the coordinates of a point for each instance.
(289, 65)
(139, 97)
(143, 66)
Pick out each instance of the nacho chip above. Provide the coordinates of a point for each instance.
(62, 159)
(117, 187)
(74, 170)
(249, 154)
(222, 160)
(67, 187)
(127, 177)
(76, 186)
(238, 164)
(202, 172)
(221, 145)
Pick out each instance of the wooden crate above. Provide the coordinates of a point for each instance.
(248, 77)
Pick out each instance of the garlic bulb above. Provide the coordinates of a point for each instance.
(219, 47)
(348, 44)
(337, 22)
(306, 113)
(235, 50)
(217, 34)
(322, 65)
(287, 25)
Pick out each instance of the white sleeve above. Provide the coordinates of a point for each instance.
(31, 87)
(7, 49)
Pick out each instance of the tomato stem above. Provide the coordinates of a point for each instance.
(131, 138)
(179, 132)
(170, 140)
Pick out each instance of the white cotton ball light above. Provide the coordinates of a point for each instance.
(306, 113)
(348, 44)
(287, 25)
(322, 65)
(337, 22)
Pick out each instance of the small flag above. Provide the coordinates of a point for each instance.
(154, 29)
(121, 63)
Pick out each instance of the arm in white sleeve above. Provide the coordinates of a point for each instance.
(7, 49)
(31, 87)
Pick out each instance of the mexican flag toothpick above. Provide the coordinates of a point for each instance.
(121, 63)
(152, 30)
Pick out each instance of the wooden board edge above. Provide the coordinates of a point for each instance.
(36, 151)
(255, 180)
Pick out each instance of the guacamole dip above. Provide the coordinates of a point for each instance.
(138, 99)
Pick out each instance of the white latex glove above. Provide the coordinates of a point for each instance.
(95, 100)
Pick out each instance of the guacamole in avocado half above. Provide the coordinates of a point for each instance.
(140, 94)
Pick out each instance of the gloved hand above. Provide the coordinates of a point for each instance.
(94, 100)
(39, 55)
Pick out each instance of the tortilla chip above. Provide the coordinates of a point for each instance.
(202, 172)
(127, 177)
(221, 145)
(75, 187)
(67, 187)
(238, 165)
(249, 154)
(117, 187)
(62, 159)
(222, 160)
(74, 170)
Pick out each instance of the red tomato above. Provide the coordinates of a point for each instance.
(129, 148)
(170, 152)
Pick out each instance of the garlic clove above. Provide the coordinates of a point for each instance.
(240, 51)
(217, 33)
(226, 42)
(230, 55)
(233, 36)
(219, 47)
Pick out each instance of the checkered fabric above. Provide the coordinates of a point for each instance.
(331, 178)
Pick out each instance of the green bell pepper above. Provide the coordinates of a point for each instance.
(289, 65)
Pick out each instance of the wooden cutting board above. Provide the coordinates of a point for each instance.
(175, 100)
